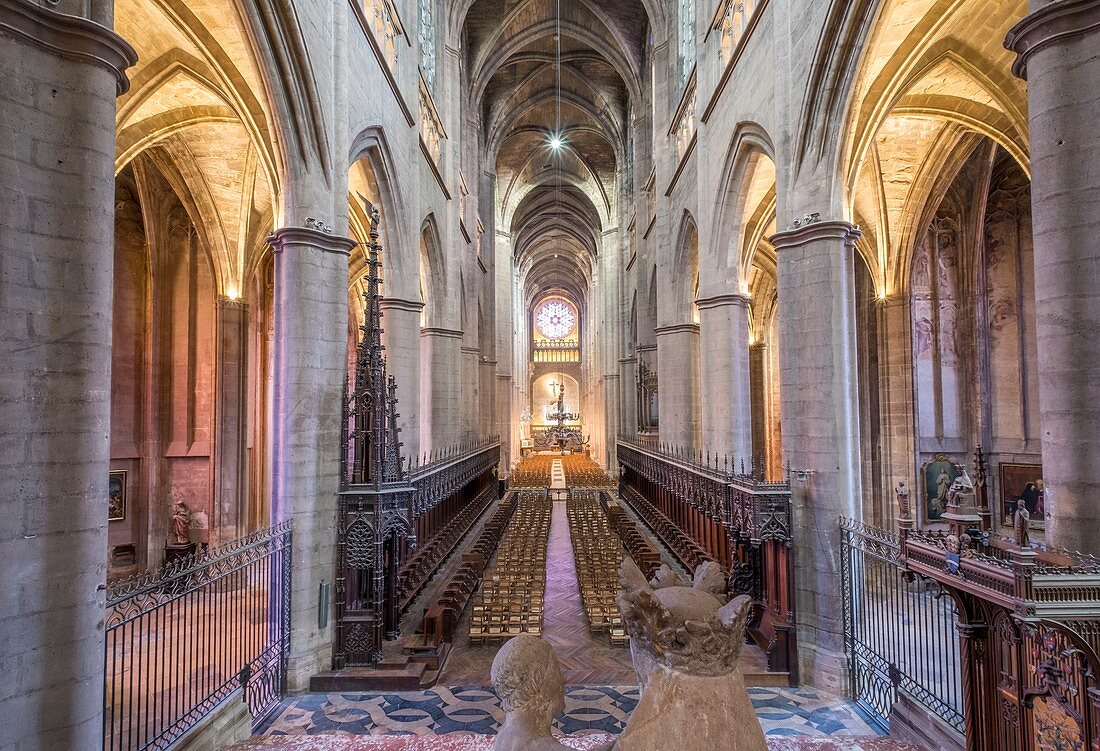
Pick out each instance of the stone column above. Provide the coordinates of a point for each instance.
(470, 396)
(401, 335)
(440, 387)
(1056, 47)
(628, 396)
(758, 370)
(677, 381)
(724, 383)
(230, 435)
(57, 113)
(486, 389)
(509, 432)
(309, 366)
(820, 428)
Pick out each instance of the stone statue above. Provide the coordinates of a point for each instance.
(685, 644)
(709, 577)
(665, 577)
(1021, 522)
(181, 522)
(961, 494)
(527, 678)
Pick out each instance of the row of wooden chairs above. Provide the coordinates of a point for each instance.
(582, 472)
(441, 617)
(425, 561)
(532, 472)
(637, 544)
(598, 552)
(690, 553)
(510, 601)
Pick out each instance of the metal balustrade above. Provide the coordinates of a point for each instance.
(181, 640)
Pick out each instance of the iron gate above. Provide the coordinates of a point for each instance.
(900, 630)
(181, 640)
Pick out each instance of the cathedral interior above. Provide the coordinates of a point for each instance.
(743, 352)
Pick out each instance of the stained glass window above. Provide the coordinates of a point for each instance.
(555, 319)
(427, 43)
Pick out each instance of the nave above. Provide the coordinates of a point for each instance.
(554, 574)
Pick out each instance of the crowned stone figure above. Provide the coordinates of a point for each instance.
(685, 644)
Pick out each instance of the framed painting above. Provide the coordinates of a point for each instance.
(1022, 483)
(116, 496)
(937, 476)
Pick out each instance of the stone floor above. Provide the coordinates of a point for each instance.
(783, 712)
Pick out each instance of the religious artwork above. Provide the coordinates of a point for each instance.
(116, 496)
(938, 475)
(180, 533)
(1022, 486)
(1055, 729)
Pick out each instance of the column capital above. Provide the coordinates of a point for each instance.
(285, 238)
(468, 350)
(719, 301)
(846, 232)
(396, 303)
(628, 360)
(69, 36)
(759, 346)
(1054, 22)
(223, 302)
(677, 328)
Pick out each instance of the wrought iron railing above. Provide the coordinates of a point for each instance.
(900, 630)
(182, 639)
(451, 469)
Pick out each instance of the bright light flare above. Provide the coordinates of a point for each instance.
(556, 143)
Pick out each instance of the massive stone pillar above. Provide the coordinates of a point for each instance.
(57, 114)
(678, 381)
(507, 430)
(309, 367)
(401, 335)
(1057, 46)
(441, 383)
(724, 376)
(230, 429)
(487, 394)
(820, 428)
(758, 370)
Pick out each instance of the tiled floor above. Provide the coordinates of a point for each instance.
(485, 743)
(782, 712)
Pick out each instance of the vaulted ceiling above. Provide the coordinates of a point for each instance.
(557, 202)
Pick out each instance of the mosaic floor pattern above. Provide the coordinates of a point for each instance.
(485, 743)
(783, 712)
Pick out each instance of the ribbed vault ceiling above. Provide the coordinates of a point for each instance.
(555, 203)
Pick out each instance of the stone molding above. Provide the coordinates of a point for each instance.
(628, 360)
(437, 331)
(846, 232)
(677, 328)
(69, 36)
(287, 237)
(610, 376)
(761, 346)
(718, 301)
(1052, 23)
(487, 361)
(468, 350)
(396, 303)
(646, 348)
(504, 376)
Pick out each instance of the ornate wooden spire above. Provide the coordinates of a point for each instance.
(373, 437)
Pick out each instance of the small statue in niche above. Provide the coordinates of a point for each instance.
(528, 680)
(902, 493)
(181, 521)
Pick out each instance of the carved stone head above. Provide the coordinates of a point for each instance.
(528, 679)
